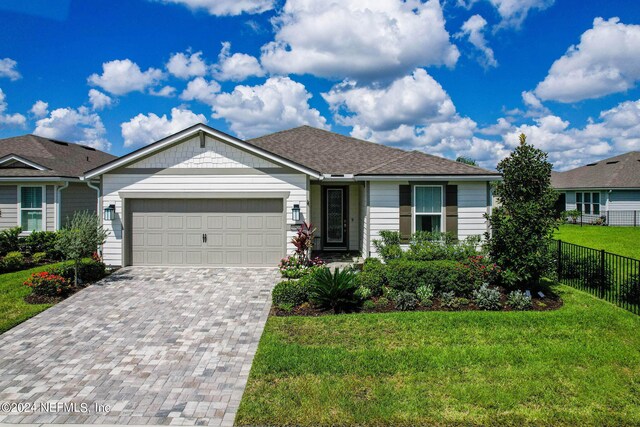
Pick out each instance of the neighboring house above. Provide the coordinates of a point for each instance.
(40, 184)
(609, 188)
(202, 197)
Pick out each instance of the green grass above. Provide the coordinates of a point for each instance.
(618, 240)
(579, 365)
(13, 309)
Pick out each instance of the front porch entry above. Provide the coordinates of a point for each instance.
(336, 213)
(335, 217)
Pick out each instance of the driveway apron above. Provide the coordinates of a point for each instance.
(168, 346)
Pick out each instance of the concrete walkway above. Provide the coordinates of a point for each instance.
(145, 346)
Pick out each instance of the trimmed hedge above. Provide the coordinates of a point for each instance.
(443, 275)
(90, 271)
(373, 276)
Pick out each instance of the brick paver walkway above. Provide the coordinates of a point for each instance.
(157, 346)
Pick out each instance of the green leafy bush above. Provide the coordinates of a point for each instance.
(487, 298)
(373, 276)
(294, 267)
(630, 289)
(405, 301)
(363, 293)
(518, 300)
(587, 269)
(369, 305)
(39, 257)
(48, 284)
(428, 246)
(448, 299)
(41, 241)
(425, 294)
(407, 275)
(89, 271)
(13, 261)
(294, 292)
(10, 240)
(382, 302)
(335, 291)
(478, 270)
(389, 246)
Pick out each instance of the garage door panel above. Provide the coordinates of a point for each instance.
(239, 232)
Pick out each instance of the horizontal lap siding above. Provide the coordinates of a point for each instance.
(384, 210)
(354, 217)
(8, 206)
(113, 183)
(472, 206)
(51, 208)
(77, 197)
(624, 200)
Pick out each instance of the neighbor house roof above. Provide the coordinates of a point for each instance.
(621, 171)
(33, 156)
(335, 154)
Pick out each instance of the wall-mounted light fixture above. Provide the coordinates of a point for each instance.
(295, 213)
(109, 212)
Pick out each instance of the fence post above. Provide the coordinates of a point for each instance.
(580, 220)
(602, 272)
(559, 260)
(635, 218)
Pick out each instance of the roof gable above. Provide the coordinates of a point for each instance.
(621, 171)
(189, 133)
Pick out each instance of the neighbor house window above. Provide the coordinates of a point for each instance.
(588, 203)
(31, 208)
(427, 214)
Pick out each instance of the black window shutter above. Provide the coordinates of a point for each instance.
(405, 213)
(451, 211)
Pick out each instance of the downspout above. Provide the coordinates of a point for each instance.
(98, 213)
(59, 205)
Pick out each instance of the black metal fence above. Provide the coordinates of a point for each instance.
(614, 218)
(612, 277)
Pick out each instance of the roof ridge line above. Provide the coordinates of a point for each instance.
(378, 166)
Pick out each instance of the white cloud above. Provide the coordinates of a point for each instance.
(512, 12)
(358, 39)
(9, 69)
(80, 125)
(474, 29)
(164, 92)
(39, 109)
(123, 76)
(199, 89)
(99, 100)
(607, 60)
(187, 65)
(236, 67)
(226, 7)
(414, 100)
(145, 129)
(279, 103)
(9, 120)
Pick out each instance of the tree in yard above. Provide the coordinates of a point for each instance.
(522, 226)
(466, 161)
(80, 238)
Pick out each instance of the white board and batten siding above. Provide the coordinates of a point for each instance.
(188, 154)
(384, 209)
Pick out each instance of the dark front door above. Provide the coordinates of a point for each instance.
(335, 223)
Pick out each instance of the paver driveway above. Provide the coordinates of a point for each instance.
(159, 346)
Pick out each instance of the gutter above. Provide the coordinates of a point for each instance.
(59, 200)
(428, 177)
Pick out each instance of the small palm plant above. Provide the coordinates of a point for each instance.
(335, 291)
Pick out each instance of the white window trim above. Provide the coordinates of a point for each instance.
(442, 207)
(591, 204)
(43, 207)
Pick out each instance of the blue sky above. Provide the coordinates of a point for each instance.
(456, 77)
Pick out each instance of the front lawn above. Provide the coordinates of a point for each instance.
(618, 240)
(13, 308)
(579, 365)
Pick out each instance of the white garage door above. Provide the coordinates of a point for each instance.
(206, 232)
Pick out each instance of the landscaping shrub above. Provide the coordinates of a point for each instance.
(425, 295)
(47, 284)
(89, 270)
(369, 305)
(363, 293)
(335, 291)
(13, 261)
(630, 289)
(518, 300)
(382, 302)
(428, 246)
(41, 241)
(373, 276)
(293, 292)
(448, 299)
(389, 246)
(478, 270)
(39, 257)
(487, 298)
(294, 267)
(405, 301)
(407, 275)
(10, 240)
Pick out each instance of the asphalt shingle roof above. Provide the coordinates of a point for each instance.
(63, 159)
(621, 171)
(331, 153)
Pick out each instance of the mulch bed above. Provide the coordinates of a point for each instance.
(40, 299)
(551, 301)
